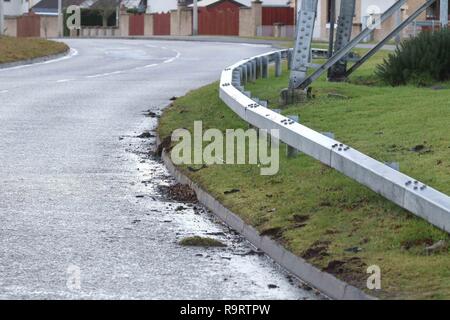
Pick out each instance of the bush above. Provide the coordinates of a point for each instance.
(421, 60)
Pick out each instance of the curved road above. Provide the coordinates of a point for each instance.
(81, 212)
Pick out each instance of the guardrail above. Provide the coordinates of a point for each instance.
(408, 193)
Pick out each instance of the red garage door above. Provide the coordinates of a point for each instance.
(29, 26)
(136, 25)
(219, 19)
(272, 15)
(161, 24)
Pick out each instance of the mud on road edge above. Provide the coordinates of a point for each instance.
(324, 282)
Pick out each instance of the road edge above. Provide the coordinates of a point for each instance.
(35, 60)
(324, 282)
(224, 40)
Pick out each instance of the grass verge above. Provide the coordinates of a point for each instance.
(16, 49)
(201, 242)
(319, 214)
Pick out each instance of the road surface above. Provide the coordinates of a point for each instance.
(81, 212)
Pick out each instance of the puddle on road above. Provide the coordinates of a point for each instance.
(265, 279)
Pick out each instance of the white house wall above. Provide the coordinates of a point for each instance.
(368, 5)
(14, 7)
(318, 25)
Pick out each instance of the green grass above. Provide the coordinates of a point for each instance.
(310, 208)
(16, 49)
(197, 241)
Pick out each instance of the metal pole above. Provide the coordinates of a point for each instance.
(444, 14)
(2, 18)
(303, 84)
(398, 29)
(398, 21)
(332, 23)
(195, 19)
(60, 20)
(343, 36)
(302, 50)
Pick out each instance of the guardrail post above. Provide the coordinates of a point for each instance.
(328, 134)
(290, 151)
(393, 165)
(259, 69)
(244, 74)
(254, 76)
(249, 71)
(278, 66)
(265, 67)
(236, 77)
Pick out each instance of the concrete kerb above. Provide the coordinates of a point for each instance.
(34, 60)
(326, 283)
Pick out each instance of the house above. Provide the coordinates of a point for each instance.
(50, 7)
(15, 8)
(245, 18)
(167, 5)
(367, 8)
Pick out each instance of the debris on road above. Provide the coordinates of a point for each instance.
(198, 241)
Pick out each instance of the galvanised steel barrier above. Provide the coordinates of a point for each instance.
(408, 193)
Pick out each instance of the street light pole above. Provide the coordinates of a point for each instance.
(195, 19)
(332, 25)
(60, 20)
(2, 18)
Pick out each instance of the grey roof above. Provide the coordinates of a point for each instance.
(50, 5)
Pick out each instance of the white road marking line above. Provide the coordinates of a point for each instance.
(95, 76)
(146, 66)
(64, 80)
(173, 58)
(104, 74)
(255, 45)
(169, 60)
(73, 53)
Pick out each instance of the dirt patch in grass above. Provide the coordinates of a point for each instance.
(16, 49)
(274, 233)
(198, 241)
(300, 218)
(351, 270)
(317, 250)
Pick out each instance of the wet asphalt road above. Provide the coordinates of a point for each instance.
(71, 191)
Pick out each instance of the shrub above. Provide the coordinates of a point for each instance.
(421, 60)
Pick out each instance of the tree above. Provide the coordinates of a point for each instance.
(106, 8)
